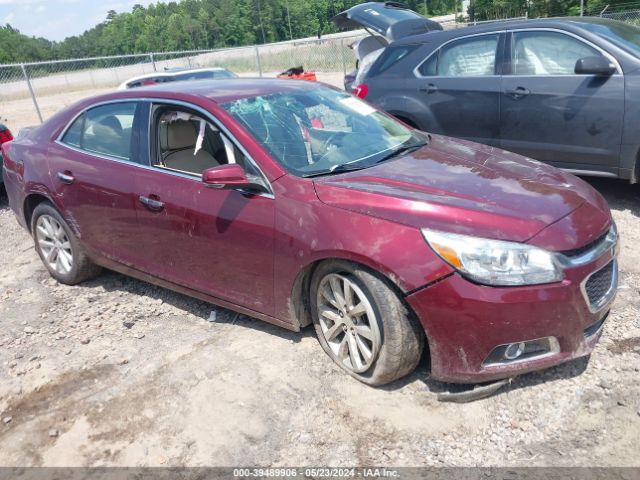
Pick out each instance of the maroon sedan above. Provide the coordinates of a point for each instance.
(295, 203)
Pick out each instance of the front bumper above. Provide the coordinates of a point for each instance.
(465, 322)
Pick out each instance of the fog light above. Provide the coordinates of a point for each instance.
(522, 351)
(514, 350)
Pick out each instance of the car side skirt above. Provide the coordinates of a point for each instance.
(145, 277)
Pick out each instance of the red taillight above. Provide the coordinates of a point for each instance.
(5, 136)
(361, 91)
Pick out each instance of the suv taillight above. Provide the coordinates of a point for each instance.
(5, 136)
(361, 91)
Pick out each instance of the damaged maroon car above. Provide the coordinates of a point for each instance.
(296, 203)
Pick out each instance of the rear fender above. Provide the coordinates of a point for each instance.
(410, 109)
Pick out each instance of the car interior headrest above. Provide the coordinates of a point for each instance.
(180, 134)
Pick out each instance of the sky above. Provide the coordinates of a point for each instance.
(58, 19)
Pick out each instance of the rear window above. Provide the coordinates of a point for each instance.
(390, 57)
(381, 18)
(207, 75)
(105, 130)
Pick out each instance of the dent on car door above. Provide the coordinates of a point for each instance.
(92, 169)
(217, 241)
(552, 114)
(459, 87)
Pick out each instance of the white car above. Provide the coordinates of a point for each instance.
(176, 75)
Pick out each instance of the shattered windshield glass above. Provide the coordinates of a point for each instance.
(321, 130)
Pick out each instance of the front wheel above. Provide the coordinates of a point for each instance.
(58, 247)
(362, 323)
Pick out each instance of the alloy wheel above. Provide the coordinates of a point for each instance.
(54, 244)
(348, 322)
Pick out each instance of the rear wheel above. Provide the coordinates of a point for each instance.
(58, 247)
(362, 323)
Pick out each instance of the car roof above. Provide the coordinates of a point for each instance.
(173, 72)
(566, 23)
(219, 91)
(195, 69)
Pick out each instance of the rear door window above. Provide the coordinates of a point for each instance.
(466, 57)
(104, 130)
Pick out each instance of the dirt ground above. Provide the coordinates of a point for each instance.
(119, 372)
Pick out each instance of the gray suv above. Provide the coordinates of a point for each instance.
(563, 91)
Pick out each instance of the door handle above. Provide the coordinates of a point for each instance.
(151, 203)
(431, 88)
(518, 93)
(66, 177)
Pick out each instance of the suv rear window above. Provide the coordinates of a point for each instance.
(390, 57)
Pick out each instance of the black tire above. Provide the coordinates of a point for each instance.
(82, 268)
(401, 335)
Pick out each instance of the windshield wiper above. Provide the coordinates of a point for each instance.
(402, 150)
(341, 168)
(350, 167)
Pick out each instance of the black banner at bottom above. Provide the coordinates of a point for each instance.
(409, 473)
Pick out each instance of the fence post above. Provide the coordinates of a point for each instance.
(258, 61)
(153, 62)
(344, 62)
(33, 95)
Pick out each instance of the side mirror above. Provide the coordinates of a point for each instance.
(600, 66)
(228, 176)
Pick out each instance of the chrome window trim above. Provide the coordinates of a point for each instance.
(417, 74)
(611, 58)
(151, 101)
(416, 70)
(610, 294)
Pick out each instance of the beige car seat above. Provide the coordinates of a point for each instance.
(178, 142)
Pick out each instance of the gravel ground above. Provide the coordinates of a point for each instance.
(120, 372)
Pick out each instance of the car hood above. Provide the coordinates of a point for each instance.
(462, 187)
(387, 19)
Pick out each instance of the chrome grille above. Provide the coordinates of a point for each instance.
(591, 251)
(576, 252)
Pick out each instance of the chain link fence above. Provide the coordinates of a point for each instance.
(630, 16)
(31, 92)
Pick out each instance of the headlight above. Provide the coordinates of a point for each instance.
(494, 262)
